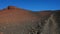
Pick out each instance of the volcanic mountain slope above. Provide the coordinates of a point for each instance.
(19, 21)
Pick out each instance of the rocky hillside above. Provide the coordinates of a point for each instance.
(20, 21)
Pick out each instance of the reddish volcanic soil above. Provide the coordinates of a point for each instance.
(13, 14)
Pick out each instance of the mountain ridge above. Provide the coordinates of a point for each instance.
(20, 21)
